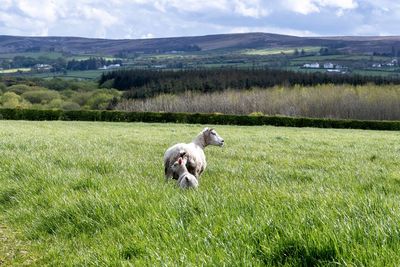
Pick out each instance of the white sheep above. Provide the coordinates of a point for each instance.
(196, 159)
(186, 179)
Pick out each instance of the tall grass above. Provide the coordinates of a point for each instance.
(93, 194)
(368, 102)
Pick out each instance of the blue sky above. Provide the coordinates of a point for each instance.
(120, 19)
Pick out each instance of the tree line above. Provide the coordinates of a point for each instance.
(92, 63)
(148, 83)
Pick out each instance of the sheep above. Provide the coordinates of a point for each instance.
(194, 151)
(186, 179)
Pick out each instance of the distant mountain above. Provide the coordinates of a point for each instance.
(78, 45)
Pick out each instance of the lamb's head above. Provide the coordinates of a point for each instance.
(188, 181)
(211, 137)
(179, 165)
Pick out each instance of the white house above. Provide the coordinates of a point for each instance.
(328, 65)
(112, 66)
(392, 63)
(311, 65)
(334, 70)
(43, 67)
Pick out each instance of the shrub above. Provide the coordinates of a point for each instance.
(81, 98)
(55, 103)
(3, 87)
(70, 106)
(194, 118)
(100, 100)
(10, 100)
(40, 97)
(22, 88)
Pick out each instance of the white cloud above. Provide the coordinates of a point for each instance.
(306, 7)
(44, 10)
(277, 30)
(193, 5)
(250, 9)
(101, 16)
(343, 4)
(162, 18)
(19, 25)
(5, 4)
(340, 13)
(147, 36)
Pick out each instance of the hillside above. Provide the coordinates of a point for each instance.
(78, 45)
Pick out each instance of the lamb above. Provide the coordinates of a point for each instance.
(194, 151)
(186, 179)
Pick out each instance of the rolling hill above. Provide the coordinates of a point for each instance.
(79, 45)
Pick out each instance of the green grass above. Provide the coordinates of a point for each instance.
(87, 74)
(51, 55)
(274, 51)
(85, 57)
(7, 71)
(90, 194)
(308, 59)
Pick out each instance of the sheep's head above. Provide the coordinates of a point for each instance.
(211, 137)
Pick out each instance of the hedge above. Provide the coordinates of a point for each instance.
(193, 118)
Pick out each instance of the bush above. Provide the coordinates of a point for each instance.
(194, 118)
(40, 97)
(3, 87)
(10, 100)
(23, 88)
(55, 103)
(70, 106)
(99, 100)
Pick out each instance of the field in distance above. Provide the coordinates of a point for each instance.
(80, 193)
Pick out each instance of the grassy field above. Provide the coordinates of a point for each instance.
(52, 55)
(90, 194)
(7, 71)
(275, 51)
(86, 74)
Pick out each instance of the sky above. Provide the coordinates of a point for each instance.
(133, 19)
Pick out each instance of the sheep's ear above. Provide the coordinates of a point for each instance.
(180, 161)
(206, 129)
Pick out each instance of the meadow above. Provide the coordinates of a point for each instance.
(8, 71)
(93, 194)
(80, 75)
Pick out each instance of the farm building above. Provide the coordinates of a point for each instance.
(312, 65)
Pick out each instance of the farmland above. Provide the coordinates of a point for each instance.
(377, 57)
(78, 193)
(9, 71)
